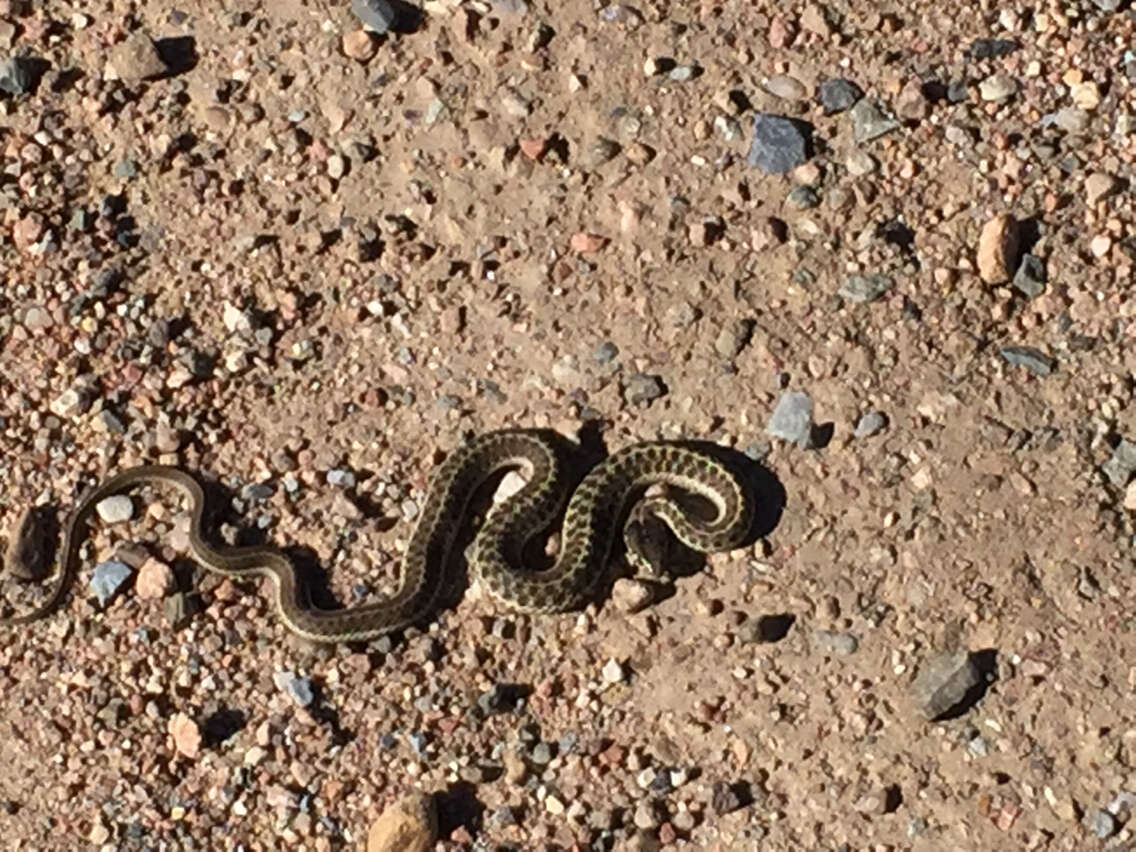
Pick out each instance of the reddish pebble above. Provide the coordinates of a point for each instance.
(584, 242)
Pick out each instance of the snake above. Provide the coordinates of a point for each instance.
(612, 493)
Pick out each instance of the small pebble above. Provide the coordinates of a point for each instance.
(115, 509)
(779, 144)
(792, 419)
(1033, 359)
(376, 15)
(843, 644)
(613, 672)
(869, 424)
(107, 579)
(865, 288)
(299, 689)
(838, 95)
(943, 682)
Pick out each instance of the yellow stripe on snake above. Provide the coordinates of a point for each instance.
(595, 509)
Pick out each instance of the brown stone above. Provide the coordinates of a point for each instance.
(583, 242)
(186, 735)
(155, 580)
(409, 825)
(998, 249)
(136, 59)
(359, 45)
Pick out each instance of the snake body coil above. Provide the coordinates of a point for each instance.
(591, 525)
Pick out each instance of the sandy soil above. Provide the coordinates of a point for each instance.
(305, 262)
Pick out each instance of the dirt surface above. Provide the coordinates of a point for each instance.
(305, 262)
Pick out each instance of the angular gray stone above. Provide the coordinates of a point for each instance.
(1033, 359)
(943, 682)
(1101, 823)
(1030, 277)
(299, 689)
(641, 388)
(107, 579)
(869, 424)
(779, 143)
(869, 121)
(792, 419)
(865, 288)
(1121, 464)
(838, 95)
(376, 15)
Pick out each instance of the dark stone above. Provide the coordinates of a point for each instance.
(838, 95)
(1033, 359)
(992, 48)
(779, 143)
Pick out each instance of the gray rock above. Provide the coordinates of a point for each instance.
(299, 689)
(541, 754)
(1121, 464)
(992, 48)
(376, 15)
(865, 288)
(838, 95)
(803, 197)
(843, 644)
(792, 419)
(605, 353)
(180, 607)
(1101, 823)
(107, 579)
(943, 682)
(19, 74)
(1069, 119)
(779, 143)
(869, 424)
(1030, 277)
(126, 169)
(341, 478)
(1033, 359)
(869, 121)
(643, 388)
(116, 509)
(682, 73)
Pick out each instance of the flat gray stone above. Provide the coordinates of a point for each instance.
(1030, 277)
(792, 419)
(779, 143)
(1033, 359)
(869, 121)
(943, 682)
(838, 95)
(869, 424)
(865, 288)
(1121, 464)
(299, 689)
(376, 15)
(107, 579)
